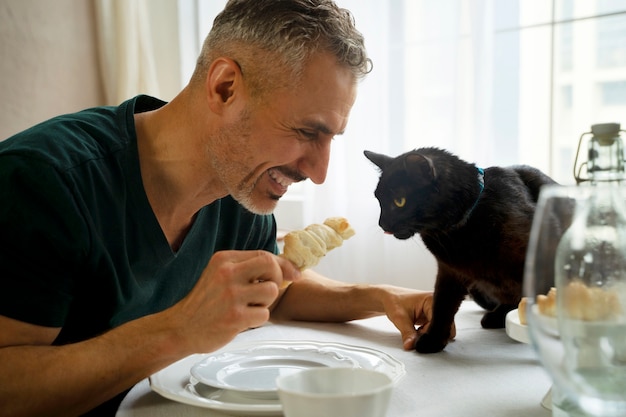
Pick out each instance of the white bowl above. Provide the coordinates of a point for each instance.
(335, 392)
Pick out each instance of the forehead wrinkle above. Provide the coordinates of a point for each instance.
(321, 127)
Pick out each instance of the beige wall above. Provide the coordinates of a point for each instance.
(48, 61)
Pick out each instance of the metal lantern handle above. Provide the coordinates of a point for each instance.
(603, 136)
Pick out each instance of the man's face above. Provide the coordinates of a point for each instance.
(287, 138)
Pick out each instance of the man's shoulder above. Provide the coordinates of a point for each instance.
(71, 139)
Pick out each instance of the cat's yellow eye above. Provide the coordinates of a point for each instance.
(399, 202)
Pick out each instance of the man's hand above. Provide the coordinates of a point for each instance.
(407, 309)
(317, 298)
(234, 293)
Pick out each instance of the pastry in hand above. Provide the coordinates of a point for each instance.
(306, 247)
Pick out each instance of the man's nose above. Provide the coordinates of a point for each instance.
(314, 164)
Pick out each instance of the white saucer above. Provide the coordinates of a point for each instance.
(252, 370)
(175, 383)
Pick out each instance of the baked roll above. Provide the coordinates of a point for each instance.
(590, 304)
(547, 303)
(521, 311)
(582, 303)
(306, 247)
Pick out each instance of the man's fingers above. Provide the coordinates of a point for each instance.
(405, 325)
(290, 271)
(408, 342)
(259, 265)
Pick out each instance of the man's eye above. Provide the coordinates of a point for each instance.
(309, 134)
(399, 202)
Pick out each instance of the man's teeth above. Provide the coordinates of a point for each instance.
(279, 178)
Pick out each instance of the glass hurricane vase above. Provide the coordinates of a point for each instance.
(575, 287)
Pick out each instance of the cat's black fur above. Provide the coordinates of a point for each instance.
(478, 235)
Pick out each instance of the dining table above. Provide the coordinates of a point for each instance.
(482, 372)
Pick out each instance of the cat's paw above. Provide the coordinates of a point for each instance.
(493, 320)
(428, 343)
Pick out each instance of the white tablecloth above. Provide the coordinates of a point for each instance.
(482, 373)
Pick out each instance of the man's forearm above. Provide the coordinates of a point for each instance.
(317, 298)
(73, 379)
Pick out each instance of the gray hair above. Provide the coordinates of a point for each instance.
(264, 36)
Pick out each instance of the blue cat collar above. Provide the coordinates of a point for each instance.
(481, 184)
(481, 179)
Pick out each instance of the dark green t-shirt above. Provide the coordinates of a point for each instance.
(80, 245)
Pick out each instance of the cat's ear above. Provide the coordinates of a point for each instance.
(420, 169)
(380, 160)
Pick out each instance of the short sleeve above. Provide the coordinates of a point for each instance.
(43, 240)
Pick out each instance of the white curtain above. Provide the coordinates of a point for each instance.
(126, 50)
(430, 87)
(471, 76)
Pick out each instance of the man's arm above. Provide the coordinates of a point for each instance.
(72, 379)
(233, 294)
(317, 298)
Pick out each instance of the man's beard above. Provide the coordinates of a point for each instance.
(234, 138)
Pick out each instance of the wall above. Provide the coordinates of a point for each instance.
(48, 61)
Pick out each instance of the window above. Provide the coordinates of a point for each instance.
(500, 82)
(509, 81)
(590, 49)
(497, 82)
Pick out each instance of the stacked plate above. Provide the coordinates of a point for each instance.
(241, 378)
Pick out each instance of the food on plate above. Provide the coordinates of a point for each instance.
(581, 302)
(590, 304)
(521, 310)
(306, 247)
(547, 303)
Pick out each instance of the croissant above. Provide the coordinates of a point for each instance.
(306, 247)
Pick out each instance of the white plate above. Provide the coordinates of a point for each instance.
(519, 331)
(515, 329)
(252, 370)
(174, 382)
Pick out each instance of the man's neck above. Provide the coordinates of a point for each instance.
(176, 178)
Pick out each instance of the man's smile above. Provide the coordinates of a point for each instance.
(281, 182)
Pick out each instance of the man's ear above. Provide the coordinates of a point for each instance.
(222, 81)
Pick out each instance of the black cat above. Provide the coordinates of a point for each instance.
(476, 223)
